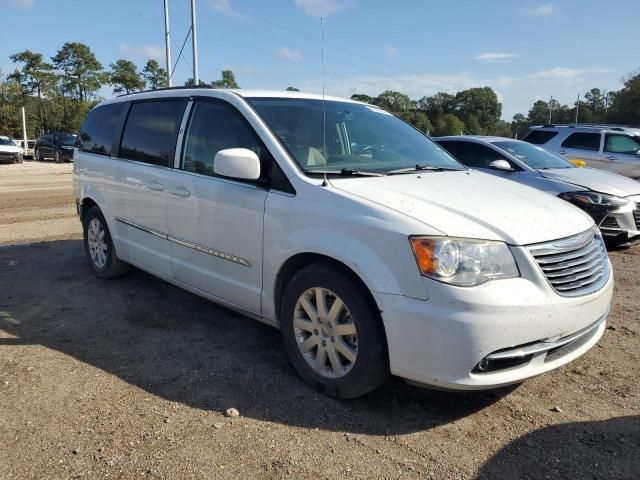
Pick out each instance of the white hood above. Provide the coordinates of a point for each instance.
(472, 204)
(10, 149)
(596, 180)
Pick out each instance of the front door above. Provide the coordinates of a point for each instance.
(584, 146)
(622, 153)
(216, 224)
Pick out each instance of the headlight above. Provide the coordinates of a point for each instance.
(591, 199)
(463, 262)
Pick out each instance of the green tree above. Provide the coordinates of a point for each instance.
(124, 77)
(189, 82)
(437, 104)
(83, 74)
(292, 89)
(447, 124)
(361, 97)
(154, 75)
(519, 125)
(626, 103)
(35, 76)
(228, 80)
(481, 103)
(394, 102)
(418, 119)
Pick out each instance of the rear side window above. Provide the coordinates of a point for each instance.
(538, 137)
(151, 131)
(216, 126)
(583, 141)
(99, 128)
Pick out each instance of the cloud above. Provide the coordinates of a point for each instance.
(323, 8)
(144, 52)
(544, 10)
(224, 7)
(568, 75)
(22, 3)
(390, 50)
(290, 54)
(494, 56)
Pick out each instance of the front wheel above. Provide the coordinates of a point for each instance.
(99, 248)
(333, 333)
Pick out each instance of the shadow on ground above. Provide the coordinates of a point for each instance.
(608, 449)
(185, 349)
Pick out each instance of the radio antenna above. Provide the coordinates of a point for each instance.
(324, 113)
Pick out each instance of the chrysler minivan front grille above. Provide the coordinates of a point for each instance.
(576, 265)
(636, 215)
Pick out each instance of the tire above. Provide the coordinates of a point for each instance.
(359, 321)
(38, 156)
(99, 248)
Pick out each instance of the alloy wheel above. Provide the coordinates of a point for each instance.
(97, 243)
(325, 332)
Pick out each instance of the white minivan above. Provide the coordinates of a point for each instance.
(370, 247)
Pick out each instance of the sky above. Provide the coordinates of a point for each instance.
(525, 50)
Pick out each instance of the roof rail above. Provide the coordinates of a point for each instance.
(181, 87)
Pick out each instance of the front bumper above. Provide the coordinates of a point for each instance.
(441, 341)
(65, 154)
(622, 227)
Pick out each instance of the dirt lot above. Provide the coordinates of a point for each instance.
(130, 378)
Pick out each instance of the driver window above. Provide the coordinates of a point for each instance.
(216, 126)
(615, 143)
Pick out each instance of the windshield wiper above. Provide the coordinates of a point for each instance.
(345, 172)
(428, 168)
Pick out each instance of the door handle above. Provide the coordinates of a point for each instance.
(179, 191)
(562, 152)
(153, 185)
(611, 157)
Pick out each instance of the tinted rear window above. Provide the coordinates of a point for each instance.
(99, 128)
(538, 137)
(151, 131)
(583, 141)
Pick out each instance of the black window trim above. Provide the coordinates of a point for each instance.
(170, 162)
(264, 183)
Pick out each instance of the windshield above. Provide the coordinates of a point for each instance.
(535, 157)
(6, 141)
(358, 137)
(66, 139)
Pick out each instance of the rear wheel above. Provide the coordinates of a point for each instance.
(333, 333)
(99, 248)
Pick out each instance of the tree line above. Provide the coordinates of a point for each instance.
(477, 111)
(59, 92)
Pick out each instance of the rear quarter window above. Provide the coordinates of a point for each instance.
(538, 137)
(99, 128)
(151, 131)
(583, 141)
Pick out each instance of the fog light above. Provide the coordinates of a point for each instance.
(483, 364)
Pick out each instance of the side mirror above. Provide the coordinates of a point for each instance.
(501, 165)
(238, 163)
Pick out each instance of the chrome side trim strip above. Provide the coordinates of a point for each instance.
(185, 243)
(540, 347)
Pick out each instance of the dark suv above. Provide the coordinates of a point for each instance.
(58, 146)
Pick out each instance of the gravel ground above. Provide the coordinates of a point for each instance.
(131, 378)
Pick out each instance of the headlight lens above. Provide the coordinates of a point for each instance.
(591, 199)
(462, 261)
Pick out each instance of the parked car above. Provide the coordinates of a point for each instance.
(370, 247)
(612, 148)
(9, 151)
(59, 146)
(27, 149)
(612, 200)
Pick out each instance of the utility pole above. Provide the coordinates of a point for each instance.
(167, 41)
(550, 107)
(194, 44)
(577, 108)
(24, 130)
